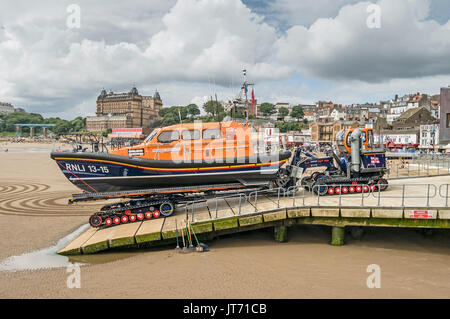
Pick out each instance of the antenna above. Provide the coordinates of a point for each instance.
(245, 88)
(179, 115)
(217, 109)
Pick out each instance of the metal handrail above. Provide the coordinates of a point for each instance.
(279, 190)
(298, 192)
(420, 169)
(294, 190)
(404, 196)
(446, 193)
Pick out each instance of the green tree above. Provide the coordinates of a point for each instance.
(221, 116)
(170, 119)
(78, 124)
(164, 111)
(180, 111)
(237, 113)
(297, 112)
(213, 108)
(61, 126)
(171, 115)
(106, 132)
(193, 110)
(288, 126)
(283, 112)
(267, 109)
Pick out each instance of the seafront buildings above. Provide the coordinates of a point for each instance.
(412, 122)
(124, 110)
(8, 108)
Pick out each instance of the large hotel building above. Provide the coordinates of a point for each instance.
(124, 110)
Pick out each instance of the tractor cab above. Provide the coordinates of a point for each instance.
(344, 144)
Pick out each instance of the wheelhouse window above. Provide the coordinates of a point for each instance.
(211, 134)
(168, 136)
(189, 135)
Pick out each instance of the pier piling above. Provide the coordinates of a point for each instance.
(337, 236)
(280, 233)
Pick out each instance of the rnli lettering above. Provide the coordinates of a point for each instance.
(88, 168)
(75, 167)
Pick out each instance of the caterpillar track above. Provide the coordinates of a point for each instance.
(322, 184)
(154, 203)
(134, 210)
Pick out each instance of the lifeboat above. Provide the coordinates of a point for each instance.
(179, 155)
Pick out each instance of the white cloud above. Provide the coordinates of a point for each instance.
(197, 41)
(189, 49)
(405, 46)
(304, 12)
(205, 40)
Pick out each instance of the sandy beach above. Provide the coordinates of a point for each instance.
(34, 215)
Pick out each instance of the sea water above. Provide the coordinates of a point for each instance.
(42, 259)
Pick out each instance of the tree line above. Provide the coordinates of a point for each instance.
(214, 111)
(7, 122)
(189, 113)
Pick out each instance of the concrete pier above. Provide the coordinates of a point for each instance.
(162, 231)
(222, 216)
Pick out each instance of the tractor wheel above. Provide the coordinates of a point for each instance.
(316, 176)
(383, 184)
(305, 183)
(166, 208)
(320, 188)
(95, 220)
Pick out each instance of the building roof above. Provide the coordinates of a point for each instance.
(132, 94)
(134, 90)
(410, 112)
(415, 99)
(354, 110)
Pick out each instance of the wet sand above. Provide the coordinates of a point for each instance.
(34, 215)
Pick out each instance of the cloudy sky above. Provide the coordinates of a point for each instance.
(294, 51)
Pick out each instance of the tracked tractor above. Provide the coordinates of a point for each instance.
(359, 167)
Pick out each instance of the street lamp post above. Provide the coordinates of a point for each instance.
(432, 140)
